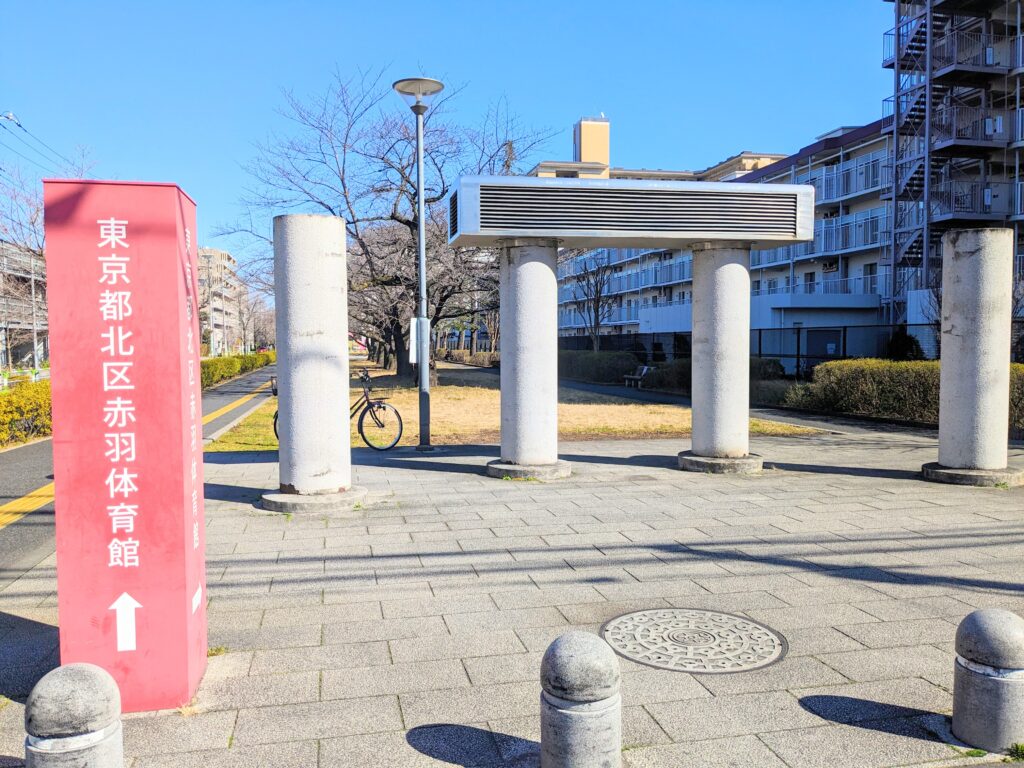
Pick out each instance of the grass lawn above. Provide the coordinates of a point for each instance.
(465, 409)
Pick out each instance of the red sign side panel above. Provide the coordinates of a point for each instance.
(120, 407)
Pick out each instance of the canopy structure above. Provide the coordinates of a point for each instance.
(596, 213)
(530, 218)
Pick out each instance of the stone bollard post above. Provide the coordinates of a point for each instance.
(580, 705)
(73, 720)
(988, 680)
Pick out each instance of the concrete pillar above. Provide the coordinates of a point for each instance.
(529, 362)
(721, 361)
(73, 719)
(580, 704)
(974, 395)
(311, 299)
(988, 680)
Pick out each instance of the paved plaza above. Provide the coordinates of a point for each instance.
(410, 631)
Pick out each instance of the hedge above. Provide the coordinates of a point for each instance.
(25, 408)
(25, 412)
(903, 390)
(677, 374)
(602, 367)
(216, 369)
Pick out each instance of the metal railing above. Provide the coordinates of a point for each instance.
(974, 49)
(838, 286)
(958, 123)
(868, 229)
(951, 198)
(851, 177)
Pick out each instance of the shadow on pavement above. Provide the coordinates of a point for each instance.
(239, 493)
(864, 713)
(471, 747)
(28, 650)
(240, 457)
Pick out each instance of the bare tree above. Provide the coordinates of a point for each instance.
(22, 256)
(352, 154)
(592, 293)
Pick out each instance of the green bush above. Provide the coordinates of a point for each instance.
(677, 375)
(888, 389)
(25, 412)
(484, 359)
(217, 369)
(25, 408)
(602, 367)
(458, 355)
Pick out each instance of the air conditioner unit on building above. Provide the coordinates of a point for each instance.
(590, 213)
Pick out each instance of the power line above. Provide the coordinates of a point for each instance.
(29, 159)
(11, 117)
(38, 151)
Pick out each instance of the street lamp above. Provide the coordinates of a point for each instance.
(418, 92)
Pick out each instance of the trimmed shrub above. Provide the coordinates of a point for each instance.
(888, 389)
(25, 412)
(25, 408)
(457, 355)
(602, 367)
(484, 359)
(678, 374)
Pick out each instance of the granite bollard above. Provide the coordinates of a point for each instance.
(73, 720)
(988, 680)
(580, 704)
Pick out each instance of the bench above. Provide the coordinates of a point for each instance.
(636, 379)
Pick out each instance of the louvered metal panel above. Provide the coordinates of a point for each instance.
(594, 212)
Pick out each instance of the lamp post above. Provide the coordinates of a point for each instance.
(418, 92)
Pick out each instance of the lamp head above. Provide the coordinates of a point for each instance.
(418, 92)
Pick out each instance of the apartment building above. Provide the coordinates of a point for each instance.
(221, 302)
(957, 127)
(23, 320)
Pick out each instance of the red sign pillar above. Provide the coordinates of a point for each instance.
(127, 435)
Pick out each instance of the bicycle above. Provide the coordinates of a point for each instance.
(380, 423)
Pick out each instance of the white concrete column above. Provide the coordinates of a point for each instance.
(977, 300)
(721, 360)
(312, 354)
(529, 361)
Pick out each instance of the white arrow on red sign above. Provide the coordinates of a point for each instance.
(124, 608)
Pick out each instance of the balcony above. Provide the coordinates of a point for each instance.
(971, 129)
(839, 293)
(16, 313)
(971, 201)
(851, 178)
(971, 56)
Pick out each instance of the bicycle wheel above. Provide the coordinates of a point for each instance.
(275, 427)
(380, 425)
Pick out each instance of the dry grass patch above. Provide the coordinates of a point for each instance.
(463, 414)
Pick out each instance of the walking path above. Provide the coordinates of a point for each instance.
(409, 632)
(26, 476)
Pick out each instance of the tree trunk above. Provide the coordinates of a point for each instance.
(403, 368)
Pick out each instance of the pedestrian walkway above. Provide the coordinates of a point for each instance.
(410, 631)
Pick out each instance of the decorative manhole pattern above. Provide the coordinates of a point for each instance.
(688, 640)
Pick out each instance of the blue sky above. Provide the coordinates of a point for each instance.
(182, 91)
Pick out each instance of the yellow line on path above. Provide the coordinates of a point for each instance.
(14, 510)
(40, 497)
(231, 406)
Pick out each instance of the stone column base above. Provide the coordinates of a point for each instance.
(313, 504)
(503, 469)
(983, 478)
(742, 465)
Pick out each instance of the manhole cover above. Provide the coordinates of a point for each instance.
(700, 642)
